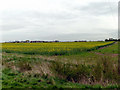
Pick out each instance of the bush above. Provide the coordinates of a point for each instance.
(72, 72)
(24, 66)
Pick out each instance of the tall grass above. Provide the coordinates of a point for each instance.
(103, 72)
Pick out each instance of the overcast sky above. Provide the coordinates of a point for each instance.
(58, 19)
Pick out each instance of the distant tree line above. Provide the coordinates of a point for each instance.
(28, 41)
(112, 39)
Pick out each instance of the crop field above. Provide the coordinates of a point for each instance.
(52, 48)
(60, 65)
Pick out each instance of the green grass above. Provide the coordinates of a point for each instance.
(109, 50)
(12, 79)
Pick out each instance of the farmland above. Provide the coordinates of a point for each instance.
(60, 65)
(52, 48)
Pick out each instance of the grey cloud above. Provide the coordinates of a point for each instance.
(11, 27)
(61, 37)
(99, 8)
(23, 19)
(101, 35)
(78, 36)
(57, 15)
(53, 25)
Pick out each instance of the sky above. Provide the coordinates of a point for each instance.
(58, 19)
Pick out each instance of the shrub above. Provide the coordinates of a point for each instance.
(24, 66)
(72, 72)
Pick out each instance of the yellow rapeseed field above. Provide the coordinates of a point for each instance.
(55, 48)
